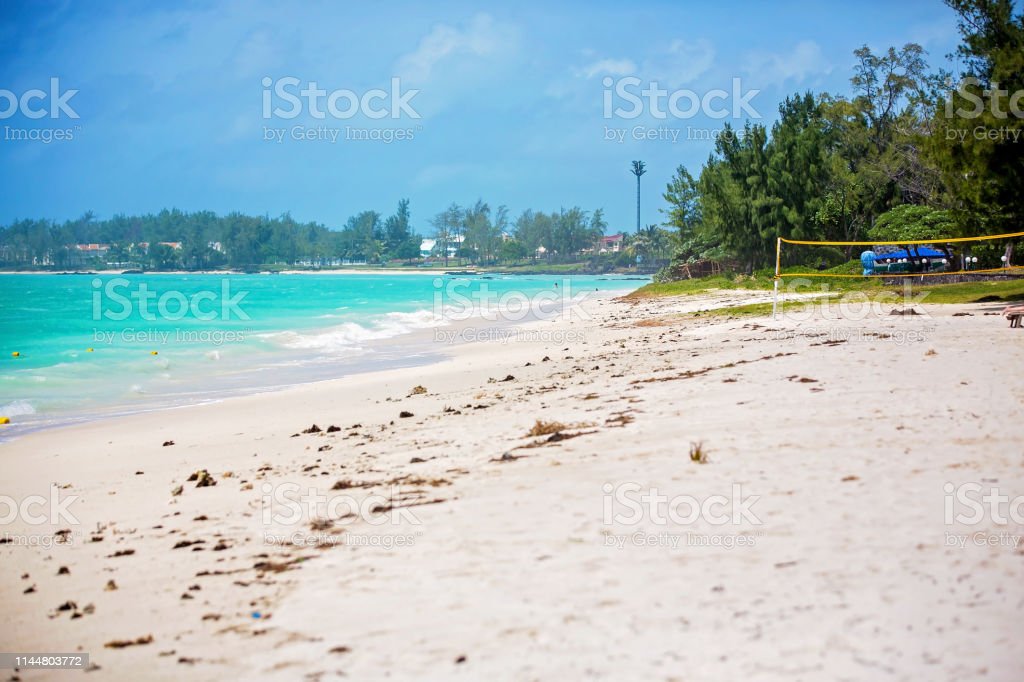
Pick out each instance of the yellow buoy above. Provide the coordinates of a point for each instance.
(15, 354)
(153, 352)
(5, 420)
(88, 350)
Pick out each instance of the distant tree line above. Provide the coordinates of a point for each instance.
(173, 239)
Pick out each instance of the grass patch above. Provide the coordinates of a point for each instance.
(698, 454)
(753, 309)
(686, 287)
(964, 292)
(760, 280)
(974, 292)
(981, 291)
(543, 428)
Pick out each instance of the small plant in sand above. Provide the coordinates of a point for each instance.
(202, 478)
(417, 390)
(698, 454)
(321, 524)
(543, 428)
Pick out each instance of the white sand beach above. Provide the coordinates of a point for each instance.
(479, 552)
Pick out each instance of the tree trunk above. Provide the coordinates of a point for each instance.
(638, 204)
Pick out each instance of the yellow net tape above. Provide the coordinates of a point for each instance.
(1012, 268)
(911, 241)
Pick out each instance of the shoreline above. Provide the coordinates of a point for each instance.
(456, 269)
(408, 350)
(382, 271)
(839, 449)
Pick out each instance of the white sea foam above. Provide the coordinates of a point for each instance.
(17, 408)
(350, 336)
(419, 319)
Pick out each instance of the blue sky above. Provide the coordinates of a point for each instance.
(510, 104)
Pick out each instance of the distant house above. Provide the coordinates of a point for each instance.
(611, 243)
(83, 253)
(429, 246)
(174, 245)
(93, 250)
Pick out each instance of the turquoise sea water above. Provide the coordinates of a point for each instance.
(93, 345)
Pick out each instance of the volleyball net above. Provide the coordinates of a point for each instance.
(919, 258)
(988, 256)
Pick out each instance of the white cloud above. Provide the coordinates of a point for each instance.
(681, 63)
(257, 54)
(613, 67)
(482, 37)
(938, 34)
(677, 63)
(803, 61)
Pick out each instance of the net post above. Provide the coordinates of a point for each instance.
(775, 294)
